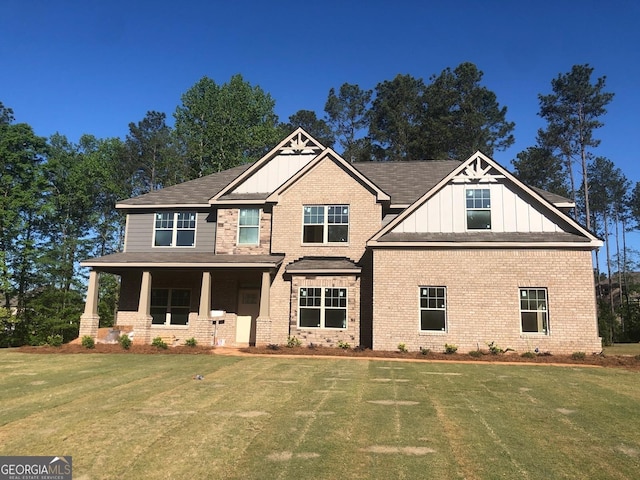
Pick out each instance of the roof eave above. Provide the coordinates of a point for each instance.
(591, 245)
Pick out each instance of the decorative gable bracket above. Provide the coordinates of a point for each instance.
(301, 144)
(478, 171)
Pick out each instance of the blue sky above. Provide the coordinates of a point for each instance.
(79, 67)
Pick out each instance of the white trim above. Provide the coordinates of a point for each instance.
(175, 230)
(89, 263)
(323, 309)
(318, 271)
(445, 309)
(507, 245)
(325, 225)
(238, 244)
(543, 333)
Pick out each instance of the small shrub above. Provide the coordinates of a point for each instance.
(578, 355)
(124, 341)
(88, 342)
(475, 353)
(273, 346)
(293, 342)
(528, 355)
(312, 346)
(494, 349)
(191, 342)
(450, 349)
(425, 351)
(158, 342)
(402, 348)
(637, 357)
(54, 340)
(343, 345)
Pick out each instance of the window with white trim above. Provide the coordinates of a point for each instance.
(433, 309)
(249, 226)
(174, 229)
(325, 224)
(478, 207)
(534, 316)
(322, 307)
(170, 306)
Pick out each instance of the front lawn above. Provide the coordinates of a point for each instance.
(145, 416)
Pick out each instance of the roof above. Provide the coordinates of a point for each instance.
(183, 259)
(405, 182)
(191, 193)
(320, 265)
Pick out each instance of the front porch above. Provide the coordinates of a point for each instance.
(222, 305)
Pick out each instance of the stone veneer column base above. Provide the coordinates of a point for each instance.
(89, 325)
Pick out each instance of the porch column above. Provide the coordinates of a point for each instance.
(204, 329)
(263, 322)
(142, 322)
(89, 320)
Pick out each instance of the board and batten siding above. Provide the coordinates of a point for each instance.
(445, 212)
(139, 234)
(275, 173)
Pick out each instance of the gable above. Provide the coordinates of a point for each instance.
(517, 213)
(267, 174)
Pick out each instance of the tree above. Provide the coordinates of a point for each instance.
(313, 125)
(608, 199)
(539, 167)
(347, 114)
(154, 159)
(21, 210)
(462, 116)
(572, 112)
(396, 117)
(220, 127)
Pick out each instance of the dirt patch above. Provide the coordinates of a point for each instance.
(393, 402)
(398, 450)
(285, 456)
(565, 411)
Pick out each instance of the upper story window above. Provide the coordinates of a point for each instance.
(249, 226)
(533, 310)
(175, 229)
(478, 209)
(325, 224)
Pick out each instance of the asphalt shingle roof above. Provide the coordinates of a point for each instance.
(322, 263)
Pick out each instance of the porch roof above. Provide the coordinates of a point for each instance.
(486, 239)
(323, 265)
(183, 260)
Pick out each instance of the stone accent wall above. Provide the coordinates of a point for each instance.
(328, 336)
(483, 298)
(227, 234)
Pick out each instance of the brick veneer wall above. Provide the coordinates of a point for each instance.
(483, 298)
(326, 184)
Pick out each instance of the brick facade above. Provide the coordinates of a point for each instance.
(483, 298)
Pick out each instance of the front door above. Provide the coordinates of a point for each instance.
(248, 311)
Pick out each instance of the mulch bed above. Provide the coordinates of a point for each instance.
(601, 360)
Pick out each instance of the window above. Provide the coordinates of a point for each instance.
(325, 224)
(433, 308)
(478, 209)
(322, 307)
(248, 226)
(533, 310)
(175, 229)
(170, 306)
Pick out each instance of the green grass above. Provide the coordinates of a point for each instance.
(144, 417)
(623, 349)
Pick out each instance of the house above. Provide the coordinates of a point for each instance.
(303, 243)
